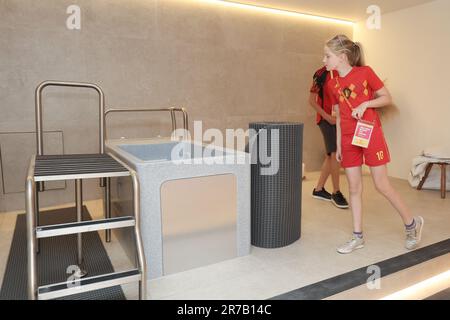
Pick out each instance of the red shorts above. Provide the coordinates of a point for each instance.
(377, 154)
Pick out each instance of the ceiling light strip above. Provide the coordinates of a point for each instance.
(239, 5)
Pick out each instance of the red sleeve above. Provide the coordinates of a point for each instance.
(374, 82)
(315, 87)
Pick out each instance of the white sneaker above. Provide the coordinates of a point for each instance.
(414, 236)
(351, 245)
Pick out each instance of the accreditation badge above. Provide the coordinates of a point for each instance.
(363, 133)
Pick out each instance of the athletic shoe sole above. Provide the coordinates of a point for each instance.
(339, 206)
(356, 248)
(321, 198)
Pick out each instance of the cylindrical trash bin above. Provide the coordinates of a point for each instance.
(276, 183)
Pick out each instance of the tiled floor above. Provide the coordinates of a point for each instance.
(269, 272)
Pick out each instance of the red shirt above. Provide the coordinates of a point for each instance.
(327, 94)
(358, 86)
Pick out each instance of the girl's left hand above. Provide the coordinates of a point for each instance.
(358, 112)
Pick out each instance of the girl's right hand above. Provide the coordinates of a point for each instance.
(331, 120)
(339, 155)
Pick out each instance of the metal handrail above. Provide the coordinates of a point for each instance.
(172, 111)
(30, 205)
(38, 100)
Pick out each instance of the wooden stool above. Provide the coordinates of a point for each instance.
(443, 177)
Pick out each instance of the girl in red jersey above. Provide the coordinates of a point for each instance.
(357, 93)
(320, 99)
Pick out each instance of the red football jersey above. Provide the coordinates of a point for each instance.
(358, 86)
(327, 94)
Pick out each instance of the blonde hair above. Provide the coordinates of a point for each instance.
(353, 50)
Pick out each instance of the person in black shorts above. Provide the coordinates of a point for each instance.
(321, 101)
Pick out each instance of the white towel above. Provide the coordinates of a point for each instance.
(438, 152)
(419, 165)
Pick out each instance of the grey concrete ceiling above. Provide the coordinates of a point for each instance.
(353, 10)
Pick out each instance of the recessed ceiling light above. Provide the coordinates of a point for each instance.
(245, 6)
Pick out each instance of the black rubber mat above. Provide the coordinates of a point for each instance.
(352, 279)
(56, 255)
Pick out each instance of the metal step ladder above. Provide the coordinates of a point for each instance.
(78, 167)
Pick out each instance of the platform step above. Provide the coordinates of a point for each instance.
(84, 226)
(68, 288)
(77, 166)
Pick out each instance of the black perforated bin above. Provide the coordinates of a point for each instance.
(276, 194)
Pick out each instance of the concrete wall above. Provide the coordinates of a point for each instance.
(411, 53)
(227, 66)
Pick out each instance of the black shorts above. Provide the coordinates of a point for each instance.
(329, 136)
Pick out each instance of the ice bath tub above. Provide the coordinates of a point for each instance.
(194, 210)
